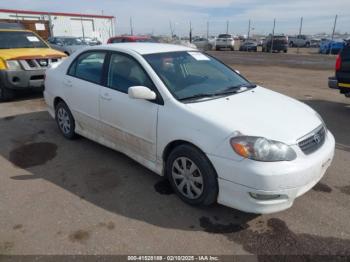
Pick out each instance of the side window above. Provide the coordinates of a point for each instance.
(117, 40)
(88, 66)
(125, 72)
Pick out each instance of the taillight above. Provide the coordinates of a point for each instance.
(338, 63)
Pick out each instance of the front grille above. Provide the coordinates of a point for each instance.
(30, 63)
(37, 63)
(313, 141)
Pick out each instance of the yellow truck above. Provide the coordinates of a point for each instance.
(24, 57)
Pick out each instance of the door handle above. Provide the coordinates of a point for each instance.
(106, 97)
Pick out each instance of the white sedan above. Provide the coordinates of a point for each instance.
(188, 117)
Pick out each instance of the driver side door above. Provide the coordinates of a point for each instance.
(129, 125)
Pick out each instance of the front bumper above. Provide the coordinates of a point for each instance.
(22, 79)
(289, 180)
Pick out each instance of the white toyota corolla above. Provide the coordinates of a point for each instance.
(185, 115)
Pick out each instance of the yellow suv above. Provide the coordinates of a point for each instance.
(24, 57)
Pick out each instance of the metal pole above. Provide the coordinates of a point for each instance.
(300, 28)
(273, 34)
(171, 29)
(207, 29)
(190, 32)
(335, 24)
(82, 27)
(131, 27)
(227, 25)
(248, 30)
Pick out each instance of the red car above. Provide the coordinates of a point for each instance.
(125, 39)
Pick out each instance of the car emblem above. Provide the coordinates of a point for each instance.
(317, 138)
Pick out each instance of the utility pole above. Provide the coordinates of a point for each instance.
(171, 29)
(131, 27)
(190, 32)
(273, 34)
(227, 26)
(300, 28)
(248, 30)
(207, 29)
(335, 24)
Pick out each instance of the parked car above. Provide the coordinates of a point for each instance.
(189, 117)
(341, 81)
(128, 39)
(90, 40)
(249, 46)
(66, 44)
(299, 41)
(315, 43)
(225, 41)
(202, 43)
(277, 43)
(329, 46)
(24, 57)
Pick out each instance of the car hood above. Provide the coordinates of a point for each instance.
(28, 53)
(260, 112)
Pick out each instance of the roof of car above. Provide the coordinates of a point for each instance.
(147, 48)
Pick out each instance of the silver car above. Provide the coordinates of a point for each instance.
(66, 44)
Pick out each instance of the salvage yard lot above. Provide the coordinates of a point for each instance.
(77, 197)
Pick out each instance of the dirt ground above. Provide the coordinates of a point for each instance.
(77, 197)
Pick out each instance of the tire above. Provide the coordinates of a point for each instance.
(6, 94)
(203, 178)
(232, 49)
(217, 48)
(65, 120)
(285, 51)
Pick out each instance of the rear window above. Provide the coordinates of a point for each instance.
(13, 39)
(225, 36)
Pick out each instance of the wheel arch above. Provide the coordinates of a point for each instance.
(56, 100)
(176, 143)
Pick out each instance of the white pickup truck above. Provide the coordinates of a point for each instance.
(299, 41)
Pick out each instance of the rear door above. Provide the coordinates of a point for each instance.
(343, 75)
(82, 84)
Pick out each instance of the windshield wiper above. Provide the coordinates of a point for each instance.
(198, 96)
(236, 89)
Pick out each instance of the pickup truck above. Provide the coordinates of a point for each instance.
(299, 41)
(341, 80)
(24, 57)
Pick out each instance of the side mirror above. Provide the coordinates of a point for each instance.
(141, 92)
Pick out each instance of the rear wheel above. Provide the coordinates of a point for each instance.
(192, 176)
(65, 120)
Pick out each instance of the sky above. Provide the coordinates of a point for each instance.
(155, 16)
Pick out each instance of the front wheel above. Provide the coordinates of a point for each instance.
(6, 94)
(192, 176)
(65, 120)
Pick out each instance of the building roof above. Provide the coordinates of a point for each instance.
(28, 12)
(146, 48)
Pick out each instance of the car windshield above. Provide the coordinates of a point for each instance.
(71, 41)
(190, 75)
(18, 39)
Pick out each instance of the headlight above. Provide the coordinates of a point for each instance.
(262, 149)
(13, 65)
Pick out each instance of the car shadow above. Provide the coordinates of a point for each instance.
(105, 178)
(337, 118)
